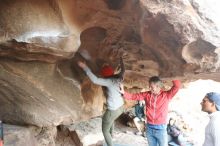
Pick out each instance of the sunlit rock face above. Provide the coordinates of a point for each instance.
(41, 41)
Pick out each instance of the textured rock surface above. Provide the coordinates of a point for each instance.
(17, 135)
(33, 136)
(40, 83)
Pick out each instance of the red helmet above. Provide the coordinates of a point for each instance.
(107, 71)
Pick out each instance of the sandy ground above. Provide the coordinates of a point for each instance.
(90, 134)
(125, 136)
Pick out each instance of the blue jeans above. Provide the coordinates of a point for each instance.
(156, 137)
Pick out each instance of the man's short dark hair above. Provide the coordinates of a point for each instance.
(154, 79)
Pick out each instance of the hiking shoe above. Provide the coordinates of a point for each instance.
(139, 133)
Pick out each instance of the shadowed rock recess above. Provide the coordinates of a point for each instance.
(42, 40)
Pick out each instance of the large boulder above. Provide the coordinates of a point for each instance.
(42, 40)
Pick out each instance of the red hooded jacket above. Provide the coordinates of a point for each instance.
(156, 106)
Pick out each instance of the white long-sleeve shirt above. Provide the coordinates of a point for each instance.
(114, 99)
(212, 131)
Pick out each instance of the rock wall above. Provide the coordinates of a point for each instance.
(41, 41)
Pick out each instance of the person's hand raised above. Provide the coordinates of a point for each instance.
(82, 64)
